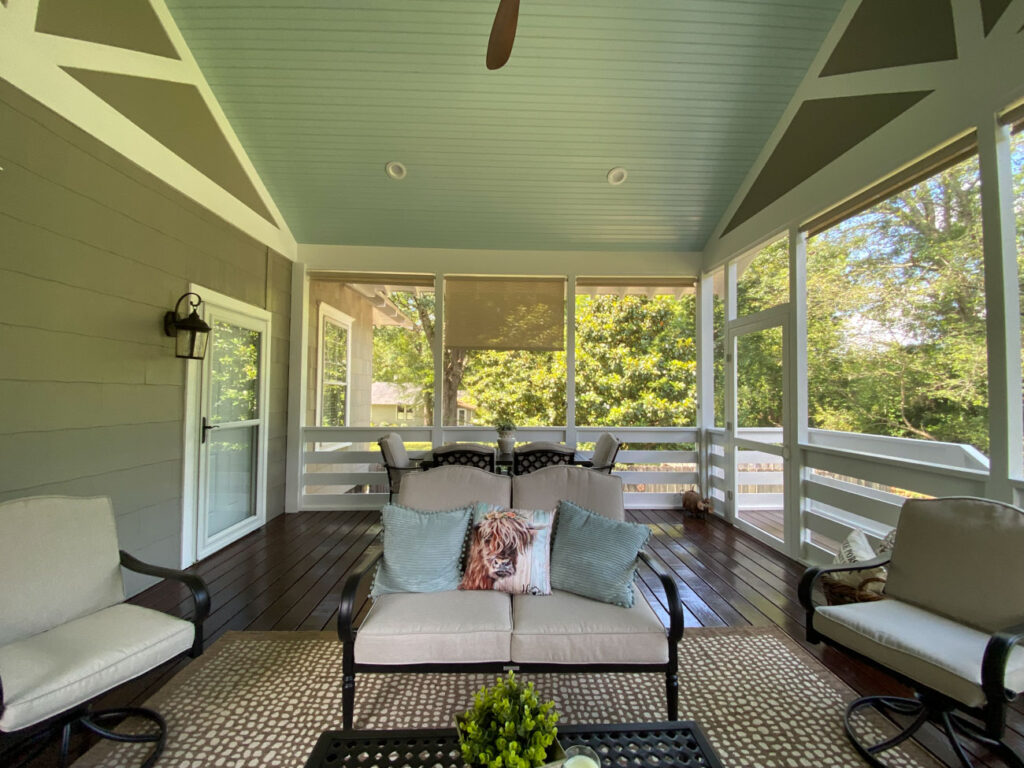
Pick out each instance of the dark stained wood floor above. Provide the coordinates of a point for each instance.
(288, 576)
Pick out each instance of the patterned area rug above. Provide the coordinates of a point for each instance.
(263, 698)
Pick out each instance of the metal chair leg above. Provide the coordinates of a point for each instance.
(93, 720)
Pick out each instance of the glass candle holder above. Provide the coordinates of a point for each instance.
(581, 756)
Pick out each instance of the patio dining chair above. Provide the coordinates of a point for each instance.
(605, 450)
(466, 455)
(396, 461)
(533, 456)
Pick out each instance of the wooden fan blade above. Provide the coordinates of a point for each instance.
(503, 34)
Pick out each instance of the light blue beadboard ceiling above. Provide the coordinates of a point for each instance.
(682, 93)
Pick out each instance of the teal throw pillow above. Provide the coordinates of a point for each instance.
(595, 556)
(422, 550)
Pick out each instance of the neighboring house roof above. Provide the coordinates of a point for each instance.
(390, 393)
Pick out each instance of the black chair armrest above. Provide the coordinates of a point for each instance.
(675, 606)
(200, 592)
(993, 664)
(805, 590)
(350, 592)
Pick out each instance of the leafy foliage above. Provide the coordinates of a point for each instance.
(508, 727)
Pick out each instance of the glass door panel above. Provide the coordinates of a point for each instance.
(231, 491)
(232, 414)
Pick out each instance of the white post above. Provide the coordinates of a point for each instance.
(1002, 306)
(437, 438)
(570, 360)
(705, 333)
(795, 387)
(732, 465)
(297, 362)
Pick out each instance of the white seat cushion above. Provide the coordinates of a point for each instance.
(436, 627)
(937, 652)
(53, 671)
(563, 628)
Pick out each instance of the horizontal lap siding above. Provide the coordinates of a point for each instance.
(93, 251)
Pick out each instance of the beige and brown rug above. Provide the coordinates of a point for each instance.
(258, 699)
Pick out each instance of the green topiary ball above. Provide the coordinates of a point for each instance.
(508, 727)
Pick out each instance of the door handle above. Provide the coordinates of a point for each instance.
(207, 428)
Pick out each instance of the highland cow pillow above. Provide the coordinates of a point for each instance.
(510, 550)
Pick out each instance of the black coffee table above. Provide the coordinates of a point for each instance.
(637, 745)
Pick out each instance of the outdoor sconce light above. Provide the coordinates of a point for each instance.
(192, 332)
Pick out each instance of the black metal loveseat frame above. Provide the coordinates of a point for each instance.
(355, 590)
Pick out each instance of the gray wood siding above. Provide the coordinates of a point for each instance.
(93, 251)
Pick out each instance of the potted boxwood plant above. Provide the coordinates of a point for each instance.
(508, 727)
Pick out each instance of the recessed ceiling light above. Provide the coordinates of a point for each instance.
(617, 175)
(395, 170)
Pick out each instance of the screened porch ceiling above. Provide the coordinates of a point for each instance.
(684, 95)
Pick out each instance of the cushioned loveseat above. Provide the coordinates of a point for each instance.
(473, 631)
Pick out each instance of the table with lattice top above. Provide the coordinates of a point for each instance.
(679, 744)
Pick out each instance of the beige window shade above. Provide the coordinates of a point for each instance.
(504, 313)
(938, 161)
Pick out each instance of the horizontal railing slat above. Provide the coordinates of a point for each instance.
(345, 478)
(658, 478)
(854, 498)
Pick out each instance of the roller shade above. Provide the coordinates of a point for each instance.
(947, 157)
(504, 313)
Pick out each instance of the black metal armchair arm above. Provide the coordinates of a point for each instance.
(349, 594)
(805, 590)
(675, 606)
(200, 592)
(993, 664)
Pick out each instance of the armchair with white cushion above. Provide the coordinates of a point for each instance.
(950, 627)
(67, 634)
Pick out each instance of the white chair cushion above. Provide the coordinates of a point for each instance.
(393, 449)
(935, 651)
(591, 490)
(563, 628)
(436, 627)
(455, 486)
(51, 672)
(42, 537)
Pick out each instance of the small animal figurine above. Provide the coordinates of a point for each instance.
(694, 505)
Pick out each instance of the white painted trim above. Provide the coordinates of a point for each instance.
(325, 313)
(190, 463)
(496, 262)
(984, 80)
(258, 319)
(31, 62)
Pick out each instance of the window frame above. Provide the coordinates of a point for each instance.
(326, 313)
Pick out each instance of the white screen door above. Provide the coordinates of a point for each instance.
(229, 427)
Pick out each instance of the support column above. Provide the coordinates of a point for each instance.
(795, 387)
(570, 360)
(297, 361)
(705, 333)
(1002, 303)
(437, 437)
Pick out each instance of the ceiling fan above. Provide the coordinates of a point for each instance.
(503, 34)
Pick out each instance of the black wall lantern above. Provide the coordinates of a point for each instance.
(192, 332)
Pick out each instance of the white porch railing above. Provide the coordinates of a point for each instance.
(850, 480)
(341, 466)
